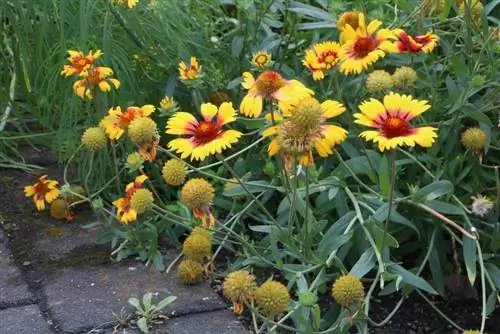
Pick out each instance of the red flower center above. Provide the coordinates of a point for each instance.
(395, 127)
(269, 82)
(125, 118)
(328, 58)
(206, 132)
(40, 188)
(363, 46)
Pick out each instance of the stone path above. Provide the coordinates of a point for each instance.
(56, 280)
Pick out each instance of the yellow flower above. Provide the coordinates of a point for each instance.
(134, 162)
(189, 272)
(142, 200)
(239, 287)
(261, 60)
(322, 56)
(197, 194)
(295, 140)
(142, 130)
(347, 18)
(364, 46)
(205, 137)
(189, 73)
(174, 172)
(348, 290)
(94, 138)
(272, 297)
(269, 84)
(197, 247)
(116, 122)
(391, 121)
(167, 103)
(79, 62)
(128, 3)
(423, 43)
(43, 191)
(125, 212)
(474, 139)
(92, 78)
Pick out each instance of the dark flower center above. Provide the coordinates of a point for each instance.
(395, 127)
(206, 132)
(363, 46)
(269, 82)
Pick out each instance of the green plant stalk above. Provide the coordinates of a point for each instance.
(291, 215)
(115, 166)
(307, 241)
(483, 286)
(364, 185)
(391, 199)
(87, 176)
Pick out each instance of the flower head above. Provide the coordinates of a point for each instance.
(167, 103)
(261, 60)
(197, 194)
(142, 130)
(94, 138)
(59, 209)
(272, 297)
(190, 272)
(269, 84)
(305, 129)
(322, 56)
(404, 77)
(206, 137)
(348, 290)
(423, 43)
(239, 287)
(116, 122)
(43, 191)
(174, 172)
(141, 200)
(125, 212)
(474, 139)
(197, 247)
(91, 79)
(189, 73)
(471, 331)
(379, 81)
(481, 205)
(364, 46)
(129, 3)
(134, 162)
(79, 62)
(347, 18)
(391, 121)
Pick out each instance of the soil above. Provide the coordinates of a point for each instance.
(415, 316)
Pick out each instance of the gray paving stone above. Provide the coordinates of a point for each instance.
(23, 320)
(84, 297)
(13, 289)
(218, 322)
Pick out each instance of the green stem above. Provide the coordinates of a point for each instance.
(307, 242)
(391, 198)
(115, 166)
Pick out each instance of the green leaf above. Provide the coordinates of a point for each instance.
(364, 264)
(383, 176)
(165, 302)
(446, 208)
(143, 325)
(434, 190)
(494, 273)
(436, 270)
(470, 258)
(495, 238)
(237, 46)
(135, 303)
(310, 11)
(146, 300)
(446, 10)
(382, 212)
(410, 278)
(477, 115)
(378, 234)
(253, 187)
(491, 302)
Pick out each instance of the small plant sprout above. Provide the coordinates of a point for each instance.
(147, 311)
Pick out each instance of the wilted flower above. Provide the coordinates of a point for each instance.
(141, 200)
(197, 247)
(174, 172)
(481, 205)
(197, 194)
(239, 287)
(189, 272)
(404, 77)
(43, 191)
(424, 43)
(391, 121)
(117, 121)
(125, 212)
(474, 139)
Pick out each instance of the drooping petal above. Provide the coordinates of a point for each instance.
(332, 108)
(208, 111)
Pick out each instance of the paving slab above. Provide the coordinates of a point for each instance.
(13, 289)
(80, 298)
(23, 320)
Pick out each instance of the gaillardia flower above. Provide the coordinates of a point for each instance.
(306, 129)
(424, 43)
(348, 290)
(117, 121)
(404, 77)
(198, 247)
(474, 139)
(129, 3)
(379, 81)
(167, 103)
(94, 138)
(79, 62)
(272, 297)
(269, 84)
(43, 191)
(347, 18)
(198, 194)
(174, 172)
(261, 60)
(189, 73)
(322, 56)
(239, 287)
(391, 121)
(190, 272)
(476, 7)
(364, 46)
(205, 137)
(92, 78)
(125, 212)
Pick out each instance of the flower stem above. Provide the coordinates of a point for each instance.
(391, 199)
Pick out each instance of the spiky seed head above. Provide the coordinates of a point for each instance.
(307, 114)
(141, 200)
(379, 81)
(202, 231)
(58, 209)
(142, 130)
(474, 139)
(174, 172)
(197, 193)
(348, 290)
(239, 286)
(404, 77)
(189, 272)
(293, 139)
(272, 297)
(197, 247)
(94, 138)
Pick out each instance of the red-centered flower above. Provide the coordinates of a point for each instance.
(322, 56)
(79, 62)
(424, 43)
(123, 205)
(189, 73)
(92, 78)
(206, 137)
(116, 122)
(42, 191)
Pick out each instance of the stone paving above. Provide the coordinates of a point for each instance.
(61, 282)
